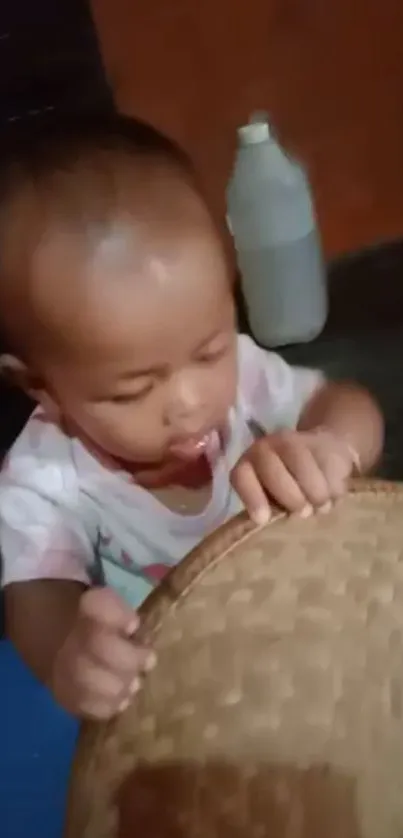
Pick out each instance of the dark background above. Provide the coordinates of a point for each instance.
(49, 59)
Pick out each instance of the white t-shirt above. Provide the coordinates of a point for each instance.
(64, 515)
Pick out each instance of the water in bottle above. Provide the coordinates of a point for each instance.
(272, 220)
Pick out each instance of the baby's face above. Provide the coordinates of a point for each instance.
(147, 367)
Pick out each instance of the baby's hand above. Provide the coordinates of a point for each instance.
(299, 471)
(99, 667)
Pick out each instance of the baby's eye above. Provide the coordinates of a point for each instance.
(211, 355)
(131, 398)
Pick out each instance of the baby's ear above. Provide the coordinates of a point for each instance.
(14, 372)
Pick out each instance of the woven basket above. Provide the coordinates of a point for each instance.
(276, 708)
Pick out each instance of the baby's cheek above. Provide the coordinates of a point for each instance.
(226, 383)
(111, 430)
(146, 426)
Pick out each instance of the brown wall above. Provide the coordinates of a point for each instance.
(329, 71)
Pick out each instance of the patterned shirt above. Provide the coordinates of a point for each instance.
(65, 515)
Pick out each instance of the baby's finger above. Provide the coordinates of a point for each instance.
(304, 468)
(105, 607)
(85, 684)
(251, 493)
(335, 463)
(119, 655)
(275, 478)
(92, 679)
(97, 710)
(102, 709)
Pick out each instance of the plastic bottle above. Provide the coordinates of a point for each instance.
(272, 220)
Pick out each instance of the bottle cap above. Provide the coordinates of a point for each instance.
(254, 132)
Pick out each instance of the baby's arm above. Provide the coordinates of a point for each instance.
(350, 413)
(279, 396)
(318, 433)
(77, 640)
(39, 616)
(78, 643)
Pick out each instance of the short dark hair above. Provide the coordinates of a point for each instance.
(55, 142)
(34, 154)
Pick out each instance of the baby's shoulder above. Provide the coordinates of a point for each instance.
(260, 368)
(269, 389)
(41, 458)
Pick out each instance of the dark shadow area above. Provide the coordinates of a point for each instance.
(49, 59)
(220, 800)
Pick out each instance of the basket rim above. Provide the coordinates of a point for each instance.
(178, 582)
(216, 546)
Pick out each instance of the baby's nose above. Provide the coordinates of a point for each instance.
(185, 418)
(185, 408)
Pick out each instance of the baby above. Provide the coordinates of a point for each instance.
(117, 310)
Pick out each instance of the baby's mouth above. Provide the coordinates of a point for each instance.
(190, 448)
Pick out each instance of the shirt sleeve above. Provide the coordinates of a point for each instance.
(40, 540)
(271, 392)
(42, 535)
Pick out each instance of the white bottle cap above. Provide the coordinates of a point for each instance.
(254, 132)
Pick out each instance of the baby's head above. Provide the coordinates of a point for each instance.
(115, 295)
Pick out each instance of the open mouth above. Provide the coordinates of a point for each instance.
(190, 448)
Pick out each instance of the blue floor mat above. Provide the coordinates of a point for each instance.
(37, 741)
